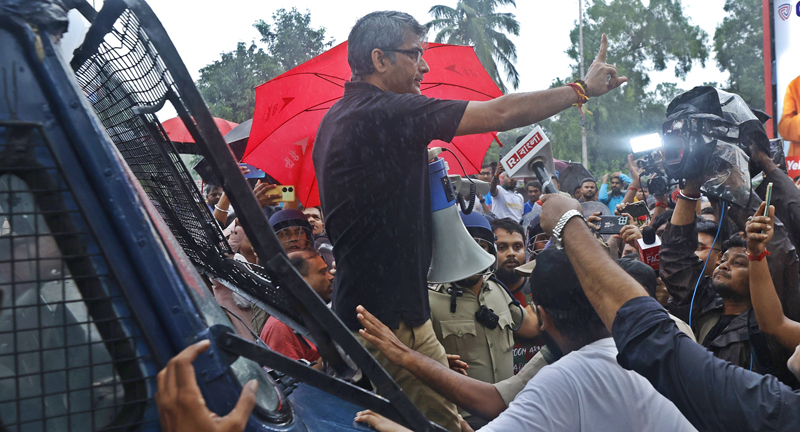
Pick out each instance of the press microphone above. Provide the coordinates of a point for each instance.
(532, 156)
(649, 247)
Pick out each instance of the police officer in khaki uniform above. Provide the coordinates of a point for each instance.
(476, 318)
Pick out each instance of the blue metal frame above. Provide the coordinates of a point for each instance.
(148, 264)
(150, 267)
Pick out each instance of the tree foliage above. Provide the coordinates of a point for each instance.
(642, 39)
(291, 40)
(738, 42)
(228, 84)
(477, 23)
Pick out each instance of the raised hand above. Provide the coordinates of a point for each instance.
(760, 230)
(553, 207)
(265, 199)
(602, 77)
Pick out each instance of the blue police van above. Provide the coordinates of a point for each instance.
(106, 246)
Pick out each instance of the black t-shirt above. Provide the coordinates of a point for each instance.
(371, 162)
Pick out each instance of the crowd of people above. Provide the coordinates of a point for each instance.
(705, 338)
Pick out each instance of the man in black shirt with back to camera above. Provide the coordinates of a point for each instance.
(371, 162)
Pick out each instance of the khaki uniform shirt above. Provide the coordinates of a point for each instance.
(487, 352)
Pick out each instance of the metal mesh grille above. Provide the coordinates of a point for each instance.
(124, 76)
(71, 355)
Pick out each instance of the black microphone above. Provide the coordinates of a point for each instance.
(543, 176)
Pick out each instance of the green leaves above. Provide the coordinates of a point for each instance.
(738, 43)
(476, 23)
(641, 39)
(291, 40)
(228, 85)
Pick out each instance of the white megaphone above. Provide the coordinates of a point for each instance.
(533, 156)
(456, 255)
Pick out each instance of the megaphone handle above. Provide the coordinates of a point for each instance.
(467, 208)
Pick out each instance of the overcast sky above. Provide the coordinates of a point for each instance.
(203, 29)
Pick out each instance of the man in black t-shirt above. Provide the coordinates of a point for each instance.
(370, 158)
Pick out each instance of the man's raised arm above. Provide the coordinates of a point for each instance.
(650, 344)
(522, 109)
(606, 285)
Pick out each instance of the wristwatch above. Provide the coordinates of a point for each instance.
(556, 237)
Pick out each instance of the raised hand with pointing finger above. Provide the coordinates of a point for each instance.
(602, 77)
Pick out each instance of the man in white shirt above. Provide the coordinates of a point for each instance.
(506, 201)
(585, 390)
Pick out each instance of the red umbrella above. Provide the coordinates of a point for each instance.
(177, 132)
(290, 107)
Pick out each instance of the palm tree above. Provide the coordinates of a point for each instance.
(475, 22)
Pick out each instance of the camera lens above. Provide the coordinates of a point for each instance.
(284, 189)
(291, 189)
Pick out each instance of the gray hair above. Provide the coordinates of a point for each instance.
(382, 30)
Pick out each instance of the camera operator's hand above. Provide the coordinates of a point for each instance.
(601, 76)
(632, 163)
(553, 207)
(756, 241)
(762, 160)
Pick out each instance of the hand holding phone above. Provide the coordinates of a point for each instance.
(612, 224)
(286, 192)
(250, 171)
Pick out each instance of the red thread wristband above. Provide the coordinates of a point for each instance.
(759, 257)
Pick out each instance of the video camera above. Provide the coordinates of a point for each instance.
(707, 134)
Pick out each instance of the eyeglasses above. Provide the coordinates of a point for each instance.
(415, 54)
